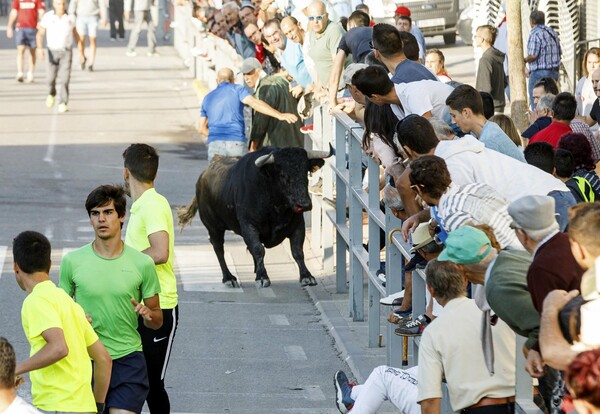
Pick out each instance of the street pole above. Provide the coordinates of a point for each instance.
(516, 66)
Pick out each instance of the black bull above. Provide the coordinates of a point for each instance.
(261, 197)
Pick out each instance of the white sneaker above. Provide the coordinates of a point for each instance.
(62, 108)
(131, 53)
(29, 78)
(389, 300)
(20, 77)
(49, 101)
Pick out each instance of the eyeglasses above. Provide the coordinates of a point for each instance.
(317, 18)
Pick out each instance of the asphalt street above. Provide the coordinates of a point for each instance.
(242, 350)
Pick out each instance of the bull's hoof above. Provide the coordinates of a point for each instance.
(232, 283)
(263, 283)
(308, 281)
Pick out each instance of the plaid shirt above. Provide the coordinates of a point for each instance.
(581, 127)
(544, 43)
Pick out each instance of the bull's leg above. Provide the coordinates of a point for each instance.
(296, 245)
(217, 239)
(257, 250)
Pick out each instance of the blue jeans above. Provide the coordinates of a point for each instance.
(562, 201)
(535, 76)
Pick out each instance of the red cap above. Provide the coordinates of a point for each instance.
(403, 11)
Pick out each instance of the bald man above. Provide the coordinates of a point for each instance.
(323, 42)
(222, 116)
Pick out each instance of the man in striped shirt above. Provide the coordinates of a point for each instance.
(471, 204)
(543, 51)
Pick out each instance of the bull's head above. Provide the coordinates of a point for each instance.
(288, 168)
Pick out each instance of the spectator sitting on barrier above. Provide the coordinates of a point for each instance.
(579, 147)
(450, 347)
(507, 125)
(585, 246)
(469, 162)
(265, 56)
(466, 109)
(354, 42)
(457, 206)
(275, 91)
(426, 98)
(222, 116)
(235, 32)
(291, 57)
(388, 49)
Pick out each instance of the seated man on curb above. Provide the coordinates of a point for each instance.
(450, 347)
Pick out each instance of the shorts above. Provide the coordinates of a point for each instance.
(226, 149)
(87, 25)
(128, 387)
(25, 37)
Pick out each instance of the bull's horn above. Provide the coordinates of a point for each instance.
(265, 159)
(320, 154)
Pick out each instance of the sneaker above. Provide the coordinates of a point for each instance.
(413, 328)
(393, 299)
(403, 314)
(91, 68)
(62, 108)
(113, 39)
(20, 77)
(131, 53)
(343, 391)
(307, 129)
(83, 63)
(49, 101)
(397, 320)
(381, 276)
(152, 54)
(29, 78)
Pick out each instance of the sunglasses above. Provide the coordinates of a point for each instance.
(317, 18)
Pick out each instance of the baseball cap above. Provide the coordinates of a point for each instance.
(463, 246)
(420, 237)
(250, 64)
(403, 11)
(246, 3)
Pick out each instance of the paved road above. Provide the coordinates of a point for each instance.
(238, 351)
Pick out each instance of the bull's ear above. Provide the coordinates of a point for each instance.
(315, 164)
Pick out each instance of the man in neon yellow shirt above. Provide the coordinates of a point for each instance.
(150, 230)
(61, 338)
(110, 280)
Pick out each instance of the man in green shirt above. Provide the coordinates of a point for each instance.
(61, 338)
(150, 230)
(110, 280)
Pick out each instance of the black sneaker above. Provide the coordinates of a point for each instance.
(413, 328)
(343, 390)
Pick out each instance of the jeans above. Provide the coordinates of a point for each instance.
(535, 76)
(59, 74)
(562, 201)
(140, 17)
(115, 11)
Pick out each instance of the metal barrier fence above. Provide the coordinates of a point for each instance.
(354, 263)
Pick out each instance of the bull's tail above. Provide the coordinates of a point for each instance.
(186, 214)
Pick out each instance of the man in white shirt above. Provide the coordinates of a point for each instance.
(60, 30)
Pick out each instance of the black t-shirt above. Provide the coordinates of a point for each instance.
(539, 124)
(355, 42)
(595, 113)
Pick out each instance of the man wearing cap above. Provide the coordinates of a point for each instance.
(355, 43)
(222, 116)
(449, 348)
(504, 275)
(323, 42)
(457, 206)
(275, 91)
(403, 11)
(388, 48)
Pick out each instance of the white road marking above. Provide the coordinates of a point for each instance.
(3, 258)
(295, 353)
(279, 320)
(199, 270)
